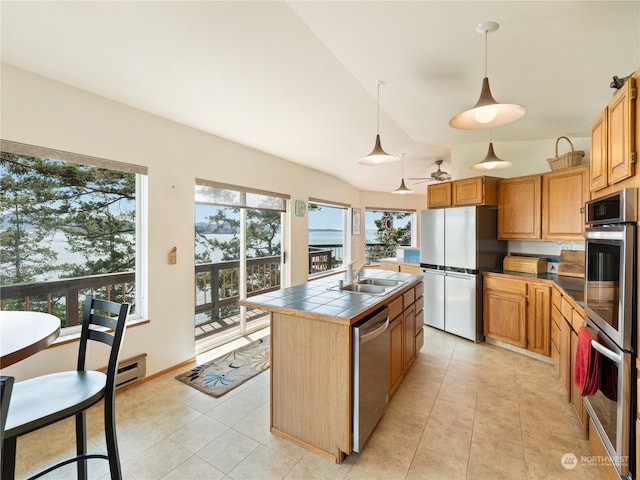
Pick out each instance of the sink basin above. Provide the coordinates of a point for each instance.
(364, 288)
(384, 282)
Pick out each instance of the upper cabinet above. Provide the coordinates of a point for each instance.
(481, 190)
(564, 193)
(519, 208)
(613, 140)
(475, 191)
(439, 195)
(548, 206)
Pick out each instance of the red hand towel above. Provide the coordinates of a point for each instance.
(587, 361)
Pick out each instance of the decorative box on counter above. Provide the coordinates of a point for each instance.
(525, 264)
(408, 254)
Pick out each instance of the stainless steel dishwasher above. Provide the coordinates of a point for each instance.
(370, 374)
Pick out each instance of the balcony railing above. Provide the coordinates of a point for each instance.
(62, 297)
(216, 286)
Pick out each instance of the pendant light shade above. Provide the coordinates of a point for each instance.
(487, 112)
(402, 189)
(491, 161)
(377, 156)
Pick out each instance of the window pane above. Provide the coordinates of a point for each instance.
(63, 220)
(217, 196)
(385, 231)
(326, 237)
(256, 200)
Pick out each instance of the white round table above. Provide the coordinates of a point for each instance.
(24, 333)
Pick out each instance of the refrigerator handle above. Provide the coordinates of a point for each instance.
(461, 275)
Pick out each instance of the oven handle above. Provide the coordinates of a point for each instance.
(613, 356)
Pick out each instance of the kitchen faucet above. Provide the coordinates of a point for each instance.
(351, 274)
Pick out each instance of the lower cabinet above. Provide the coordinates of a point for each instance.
(518, 312)
(405, 333)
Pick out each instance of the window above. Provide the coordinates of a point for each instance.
(327, 236)
(238, 235)
(387, 229)
(70, 226)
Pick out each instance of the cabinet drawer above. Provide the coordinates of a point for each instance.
(409, 298)
(556, 298)
(506, 285)
(419, 289)
(566, 309)
(577, 319)
(419, 304)
(555, 335)
(395, 308)
(556, 316)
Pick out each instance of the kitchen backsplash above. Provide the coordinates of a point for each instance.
(549, 250)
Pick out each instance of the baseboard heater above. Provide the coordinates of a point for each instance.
(130, 369)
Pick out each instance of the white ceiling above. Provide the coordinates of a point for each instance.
(298, 79)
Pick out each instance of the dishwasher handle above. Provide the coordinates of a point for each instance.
(367, 337)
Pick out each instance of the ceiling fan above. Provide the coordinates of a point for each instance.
(437, 176)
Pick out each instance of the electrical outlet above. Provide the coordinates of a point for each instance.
(552, 267)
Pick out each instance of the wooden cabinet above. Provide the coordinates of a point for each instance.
(518, 312)
(396, 364)
(548, 206)
(539, 318)
(505, 310)
(564, 193)
(475, 191)
(439, 195)
(520, 207)
(613, 140)
(406, 337)
(481, 190)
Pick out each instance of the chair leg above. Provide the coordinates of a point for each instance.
(8, 471)
(81, 444)
(111, 439)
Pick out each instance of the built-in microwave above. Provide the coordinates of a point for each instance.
(610, 264)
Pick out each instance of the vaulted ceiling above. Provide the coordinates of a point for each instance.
(298, 79)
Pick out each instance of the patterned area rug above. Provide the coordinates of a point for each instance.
(225, 373)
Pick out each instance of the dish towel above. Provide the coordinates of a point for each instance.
(587, 362)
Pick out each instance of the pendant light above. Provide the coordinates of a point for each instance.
(487, 112)
(491, 161)
(402, 189)
(377, 156)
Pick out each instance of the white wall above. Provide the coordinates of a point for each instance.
(42, 112)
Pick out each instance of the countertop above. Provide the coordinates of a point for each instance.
(572, 286)
(321, 300)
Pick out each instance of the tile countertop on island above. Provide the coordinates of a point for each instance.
(572, 286)
(321, 299)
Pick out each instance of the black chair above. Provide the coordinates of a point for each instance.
(6, 385)
(41, 401)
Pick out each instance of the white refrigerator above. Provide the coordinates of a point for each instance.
(456, 245)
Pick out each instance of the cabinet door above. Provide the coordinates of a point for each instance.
(519, 208)
(564, 195)
(409, 336)
(439, 195)
(598, 164)
(468, 192)
(539, 319)
(395, 354)
(505, 317)
(621, 134)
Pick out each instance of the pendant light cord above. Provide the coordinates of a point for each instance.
(378, 124)
(486, 33)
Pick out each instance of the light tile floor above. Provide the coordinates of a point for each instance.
(464, 411)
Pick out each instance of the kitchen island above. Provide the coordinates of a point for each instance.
(311, 353)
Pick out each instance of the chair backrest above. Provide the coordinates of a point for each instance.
(103, 321)
(6, 386)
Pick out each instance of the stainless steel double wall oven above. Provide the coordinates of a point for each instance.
(610, 313)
